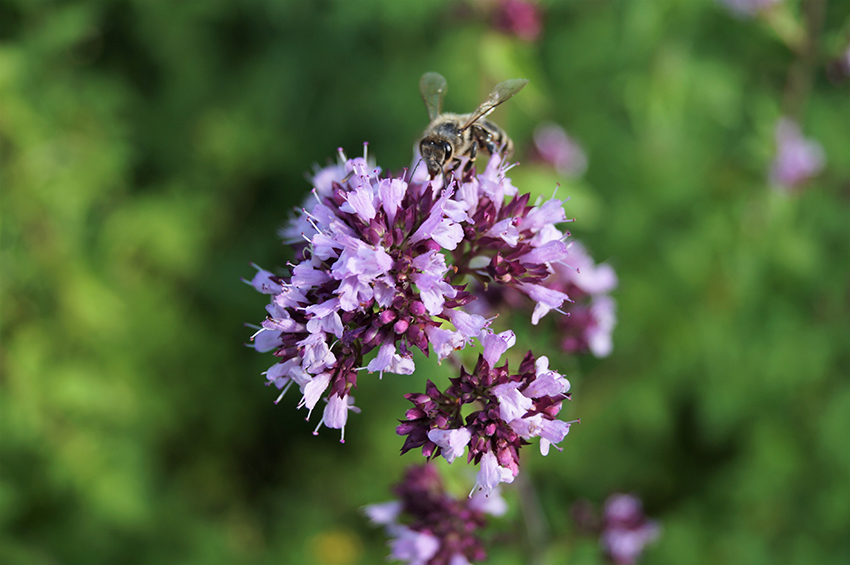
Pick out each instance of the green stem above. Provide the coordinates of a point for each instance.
(536, 526)
(801, 74)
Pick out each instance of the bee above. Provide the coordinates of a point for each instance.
(452, 139)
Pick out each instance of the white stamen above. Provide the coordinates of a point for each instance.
(283, 391)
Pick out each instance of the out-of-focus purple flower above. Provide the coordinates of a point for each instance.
(521, 18)
(513, 408)
(623, 530)
(412, 547)
(797, 158)
(626, 530)
(428, 525)
(592, 314)
(748, 8)
(554, 146)
(838, 69)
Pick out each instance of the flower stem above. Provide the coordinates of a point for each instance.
(536, 525)
(801, 74)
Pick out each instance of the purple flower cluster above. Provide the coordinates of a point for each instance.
(511, 409)
(429, 526)
(382, 264)
(797, 158)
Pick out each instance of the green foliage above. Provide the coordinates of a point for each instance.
(150, 149)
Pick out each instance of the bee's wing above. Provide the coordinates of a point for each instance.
(501, 92)
(433, 87)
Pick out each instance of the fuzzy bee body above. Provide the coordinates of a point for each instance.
(454, 139)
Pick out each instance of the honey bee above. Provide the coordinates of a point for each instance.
(452, 138)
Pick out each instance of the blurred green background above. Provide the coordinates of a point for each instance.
(149, 149)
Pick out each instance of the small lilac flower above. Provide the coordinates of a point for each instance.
(452, 442)
(444, 342)
(495, 345)
(265, 282)
(336, 413)
(513, 408)
(491, 474)
(469, 325)
(797, 158)
(546, 298)
(521, 18)
(554, 146)
(390, 361)
(512, 404)
(430, 526)
(490, 503)
(748, 8)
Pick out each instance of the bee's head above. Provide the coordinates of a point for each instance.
(436, 153)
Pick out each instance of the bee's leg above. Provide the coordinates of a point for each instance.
(484, 139)
(473, 151)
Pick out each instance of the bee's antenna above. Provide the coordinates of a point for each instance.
(413, 170)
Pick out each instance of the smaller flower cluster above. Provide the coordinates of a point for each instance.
(429, 526)
(511, 409)
(624, 530)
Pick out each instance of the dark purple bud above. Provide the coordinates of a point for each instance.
(417, 308)
(441, 421)
(370, 334)
(401, 326)
(387, 316)
(286, 352)
(414, 413)
(429, 448)
(405, 428)
(432, 391)
(417, 397)
(418, 338)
